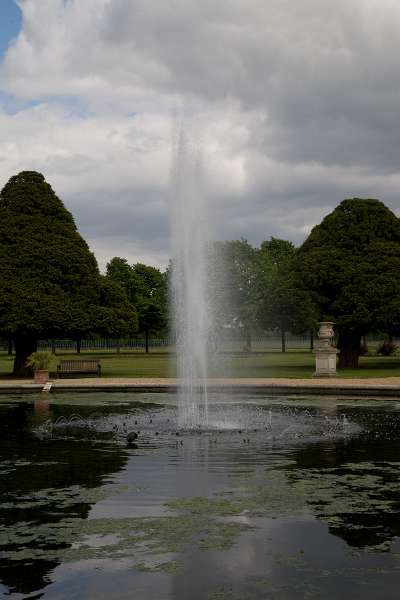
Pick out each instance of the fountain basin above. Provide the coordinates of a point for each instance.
(269, 482)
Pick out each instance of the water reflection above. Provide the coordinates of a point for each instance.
(287, 559)
(42, 482)
(354, 483)
(218, 514)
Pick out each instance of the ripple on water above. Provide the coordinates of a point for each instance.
(76, 493)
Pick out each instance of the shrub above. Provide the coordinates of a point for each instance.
(40, 361)
(387, 348)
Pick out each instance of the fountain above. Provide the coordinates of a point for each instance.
(189, 298)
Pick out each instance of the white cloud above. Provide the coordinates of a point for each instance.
(296, 107)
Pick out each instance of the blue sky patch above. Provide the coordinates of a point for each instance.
(12, 105)
(10, 24)
(72, 105)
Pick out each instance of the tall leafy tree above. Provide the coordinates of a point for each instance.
(284, 304)
(146, 289)
(258, 288)
(114, 315)
(49, 280)
(152, 303)
(278, 253)
(122, 273)
(351, 263)
(242, 282)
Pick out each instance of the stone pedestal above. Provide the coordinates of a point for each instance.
(325, 353)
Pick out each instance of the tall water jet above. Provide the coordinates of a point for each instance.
(190, 299)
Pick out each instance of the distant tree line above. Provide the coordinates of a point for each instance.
(346, 271)
(146, 289)
(259, 289)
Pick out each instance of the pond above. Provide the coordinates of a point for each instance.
(281, 498)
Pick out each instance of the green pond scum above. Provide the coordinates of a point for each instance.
(260, 512)
(209, 523)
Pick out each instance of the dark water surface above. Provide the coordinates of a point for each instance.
(282, 499)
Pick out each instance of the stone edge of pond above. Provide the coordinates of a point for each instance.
(386, 387)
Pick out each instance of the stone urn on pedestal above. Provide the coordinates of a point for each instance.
(325, 353)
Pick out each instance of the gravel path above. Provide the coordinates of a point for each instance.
(378, 386)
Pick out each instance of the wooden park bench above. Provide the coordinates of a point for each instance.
(79, 367)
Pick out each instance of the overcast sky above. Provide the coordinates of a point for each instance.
(298, 105)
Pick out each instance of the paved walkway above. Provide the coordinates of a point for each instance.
(388, 386)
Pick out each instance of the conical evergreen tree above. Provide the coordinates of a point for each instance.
(351, 264)
(50, 284)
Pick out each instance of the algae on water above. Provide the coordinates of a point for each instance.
(341, 497)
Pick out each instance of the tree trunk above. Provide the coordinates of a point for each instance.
(146, 333)
(24, 346)
(10, 347)
(349, 346)
(364, 345)
(248, 345)
(283, 340)
(311, 340)
(78, 346)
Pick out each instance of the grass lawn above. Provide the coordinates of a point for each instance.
(268, 363)
(301, 364)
